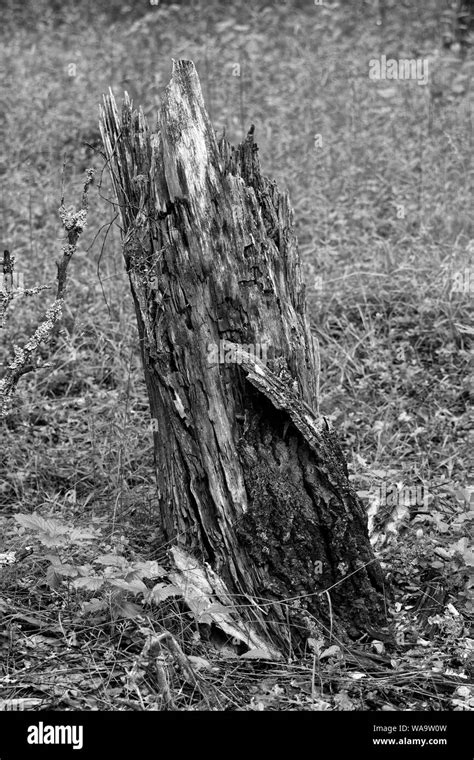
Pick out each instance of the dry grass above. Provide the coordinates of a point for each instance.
(383, 213)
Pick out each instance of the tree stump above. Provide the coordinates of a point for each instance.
(253, 487)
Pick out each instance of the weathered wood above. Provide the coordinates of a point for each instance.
(253, 485)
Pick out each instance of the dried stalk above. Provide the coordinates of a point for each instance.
(25, 358)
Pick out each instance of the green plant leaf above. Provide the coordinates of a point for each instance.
(148, 569)
(38, 523)
(53, 539)
(94, 605)
(53, 579)
(134, 587)
(115, 560)
(78, 534)
(91, 583)
(162, 591)
(66, 571)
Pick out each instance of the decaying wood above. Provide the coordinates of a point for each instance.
(253, 487)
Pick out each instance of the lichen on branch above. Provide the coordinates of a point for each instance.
(25, 358)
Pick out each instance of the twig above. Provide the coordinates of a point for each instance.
(23, 362)
(153, 658)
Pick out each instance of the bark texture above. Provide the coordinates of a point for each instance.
(254, 493)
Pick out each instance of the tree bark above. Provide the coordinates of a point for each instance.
(253, 487)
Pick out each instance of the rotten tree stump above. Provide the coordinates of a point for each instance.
(253, 487)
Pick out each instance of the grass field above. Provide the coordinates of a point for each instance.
(380, 179)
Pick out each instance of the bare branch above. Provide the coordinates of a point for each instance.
(25, 359)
